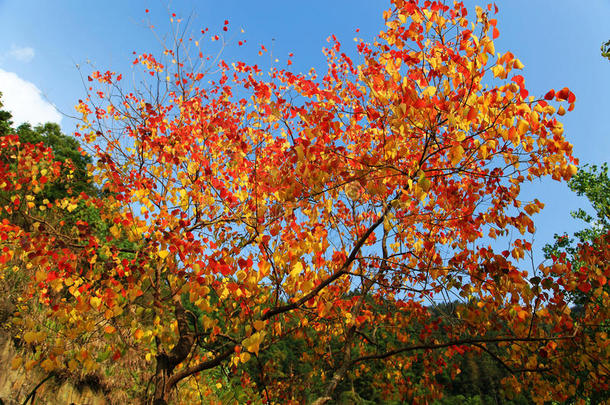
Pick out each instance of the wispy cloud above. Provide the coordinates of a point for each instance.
(24, 101)
(21, 53)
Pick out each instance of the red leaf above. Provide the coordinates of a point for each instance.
(524, 93)
(563, 94)
(571, 98)
(518, 79)
(584, 287)
(549, 95)
(472, 114)
(225, 270)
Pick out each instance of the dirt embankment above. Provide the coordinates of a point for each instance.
(17, 385)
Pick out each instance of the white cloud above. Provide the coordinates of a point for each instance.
(21, 53)
(24, 101)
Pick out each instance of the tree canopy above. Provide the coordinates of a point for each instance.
(249, 211)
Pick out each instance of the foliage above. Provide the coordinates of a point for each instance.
(64, 148)
(328, 210)
(5, 120)
(589, 244)
(605, 50)
(593, 183)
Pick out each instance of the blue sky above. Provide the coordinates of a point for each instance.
(557, 41)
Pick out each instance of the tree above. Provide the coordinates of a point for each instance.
(334, 209)
(593, 183)
(64, 149)
(5, 120)
(589, 244)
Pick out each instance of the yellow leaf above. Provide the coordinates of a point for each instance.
(572, 169)
(252, 344)
(207, 322)
(95, 302)
(307, 286)
(456, 154)
(163, 254)
(114, 230)
(403, 108)
(490, 48)
(296, 270)
(241, 275)
(16, 362)
(263, 268)
(40, 275)
(258, 324)
(429, 91)
(518, 65)
(89, 365)
(499, 71)
(30, 337)
(423, 182)
(30, 364)
(244, 357)
(73, 365)
(48, 365)
(522, 127)
(352, 190)
(184, 200)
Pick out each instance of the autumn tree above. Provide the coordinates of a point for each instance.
(577, 251)
(49, 142)
(334, 209)
(593, 183)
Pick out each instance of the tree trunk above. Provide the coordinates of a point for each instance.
(167, 362)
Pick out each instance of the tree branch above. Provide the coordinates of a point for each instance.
(473, 342)
(205, 365)
(342, 271)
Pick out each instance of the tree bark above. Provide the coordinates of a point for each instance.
(166, 362)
